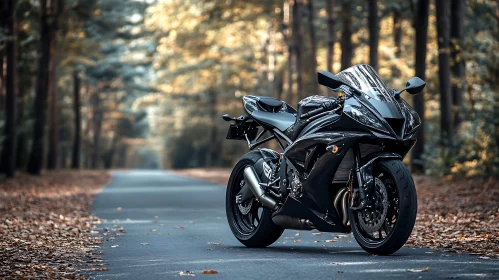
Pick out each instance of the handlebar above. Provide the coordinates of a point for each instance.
(326, 106)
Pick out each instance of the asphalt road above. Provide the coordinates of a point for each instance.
(159, 224)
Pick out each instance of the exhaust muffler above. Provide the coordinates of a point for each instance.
(254, 184)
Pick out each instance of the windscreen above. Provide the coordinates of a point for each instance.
(364, 78)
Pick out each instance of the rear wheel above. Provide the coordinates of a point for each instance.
(250, 222)
(384, 227)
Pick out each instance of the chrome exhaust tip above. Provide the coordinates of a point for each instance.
(254, 184)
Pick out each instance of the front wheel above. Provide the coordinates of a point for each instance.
(385, 226)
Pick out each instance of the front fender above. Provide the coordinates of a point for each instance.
(366, 169)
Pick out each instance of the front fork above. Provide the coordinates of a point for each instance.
(364, 188)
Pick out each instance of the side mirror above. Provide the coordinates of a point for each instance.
(226, 117)
(329, 80)
(413, 86)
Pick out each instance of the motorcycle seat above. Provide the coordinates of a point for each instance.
(269, 104)
(280, 120)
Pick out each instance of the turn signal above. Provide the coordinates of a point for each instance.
(334, 149)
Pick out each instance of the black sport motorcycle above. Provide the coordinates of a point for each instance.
(341, 167)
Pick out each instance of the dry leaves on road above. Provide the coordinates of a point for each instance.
(457, 215)
(46, 228)
(210, 271)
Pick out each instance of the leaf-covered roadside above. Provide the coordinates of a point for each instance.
(46, 227)
(459, 215)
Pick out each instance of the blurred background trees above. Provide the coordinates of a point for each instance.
(143, 83)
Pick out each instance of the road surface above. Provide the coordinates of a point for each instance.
(159, 224)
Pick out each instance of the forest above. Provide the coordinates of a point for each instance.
(143, 83)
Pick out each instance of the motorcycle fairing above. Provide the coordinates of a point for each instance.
(380, 100)
(316, 179)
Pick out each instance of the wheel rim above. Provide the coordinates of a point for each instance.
(375, 225)
(246, 217)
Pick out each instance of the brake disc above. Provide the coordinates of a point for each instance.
(372, 219)
(244, 207)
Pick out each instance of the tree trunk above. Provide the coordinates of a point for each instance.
(279, 84)
(75, 156)
(346, 37)
(421, 25)
(373, 23)
(397, 40)
(330, 34)
(52, 156)
(313, 46)
(443, 32)
(297, 45)
(8, 159)
(24, 84)
(109, 156)
(457, 37)
(97, 126)
(3, 16)
(211, 153)
(289, 43)
(40, 101)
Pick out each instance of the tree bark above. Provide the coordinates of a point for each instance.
(40, 101)
(330, 34)
(8, 163)
(3, 16)
(297, 45)
(313, 46)
(457, 37)
(52, 156)
(24, 83)
(397, 39)
(421, 24)
(211, 153)
(75, 156)
(443, 32)
(346, 36)
(97, 127)
(373, 23)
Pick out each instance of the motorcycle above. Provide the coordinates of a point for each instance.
(340, 169)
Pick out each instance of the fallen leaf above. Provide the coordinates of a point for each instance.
(317, 233)
(179, 226)
(297, 234)
(330, 240)
(210, 271)
(296, 240)
(215, 243)
(115, 246)
(426, 269)
(143, 244)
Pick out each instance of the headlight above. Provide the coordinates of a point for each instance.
(412, 120)
(364, 116)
